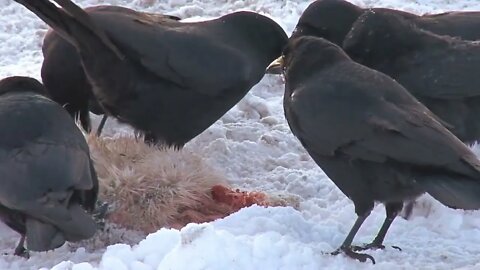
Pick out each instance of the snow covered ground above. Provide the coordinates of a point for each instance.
(253, 145)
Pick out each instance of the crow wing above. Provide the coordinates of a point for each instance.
(367, 115)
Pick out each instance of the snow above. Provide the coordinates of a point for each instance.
(254, 147)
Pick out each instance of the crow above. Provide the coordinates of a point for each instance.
(440, 71)
(48, 179)
(371, 137)
(333, 19)
(62, 72)
(169, 82)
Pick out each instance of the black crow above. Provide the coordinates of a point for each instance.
(48, 179)
(170, 82)
(332, 19)
(440, 71)
(372, 138)
(62, 71)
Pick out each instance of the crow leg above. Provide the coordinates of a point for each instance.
(20, 249)
(392, 210)
(408, 209)
(84, 116)
(100, 213)
(346, 247)
(101, 125)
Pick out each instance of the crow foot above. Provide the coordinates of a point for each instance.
(348, 251)
(372, 245)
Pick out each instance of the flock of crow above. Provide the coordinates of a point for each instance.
(384, 101)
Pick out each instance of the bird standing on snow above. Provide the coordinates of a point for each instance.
(47, 177)
(333, 19)
(372, 138)
(172, 82)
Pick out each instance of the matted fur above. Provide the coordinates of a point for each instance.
(151, 187)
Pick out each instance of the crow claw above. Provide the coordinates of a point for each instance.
(348, 251)
(22, 252)
(372, 246)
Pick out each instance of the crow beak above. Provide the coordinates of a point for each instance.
(276, 67)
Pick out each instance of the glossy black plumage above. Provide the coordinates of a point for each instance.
(373, 139)
(48, 180)
(438, 70)
(62, 71)
(333, 19)
(169, 82)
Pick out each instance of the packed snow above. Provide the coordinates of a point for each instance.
(255, 149)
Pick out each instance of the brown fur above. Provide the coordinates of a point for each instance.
(150, 188)
(147, 184)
